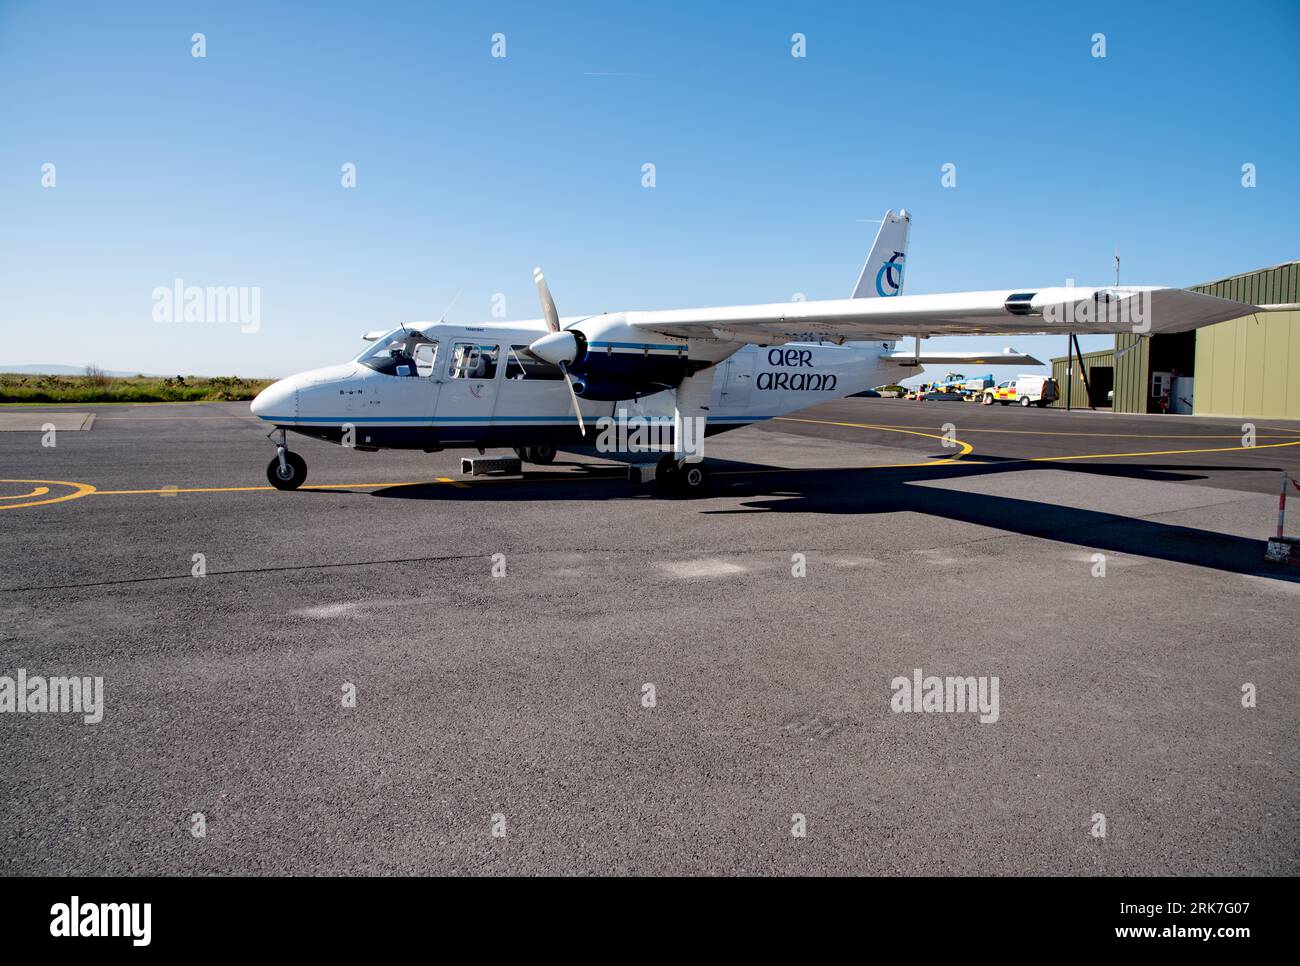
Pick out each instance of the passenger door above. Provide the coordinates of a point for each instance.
(469, 390)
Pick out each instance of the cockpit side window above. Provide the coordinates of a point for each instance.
(400, 353)
(426, 354)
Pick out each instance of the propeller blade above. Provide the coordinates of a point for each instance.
(568, 381)
(553, 324)
(548, 303)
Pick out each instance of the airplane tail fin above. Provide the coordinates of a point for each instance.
(882, 275)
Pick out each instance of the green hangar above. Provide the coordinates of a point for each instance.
(1242, 367)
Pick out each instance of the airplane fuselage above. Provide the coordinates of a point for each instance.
(475, 386)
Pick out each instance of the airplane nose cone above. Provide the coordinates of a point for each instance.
(277, 400)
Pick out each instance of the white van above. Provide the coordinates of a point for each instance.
(1026, 389)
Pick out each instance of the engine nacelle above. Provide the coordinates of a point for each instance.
(611, 360)
(589, 387)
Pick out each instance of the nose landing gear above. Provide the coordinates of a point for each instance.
(288, 470)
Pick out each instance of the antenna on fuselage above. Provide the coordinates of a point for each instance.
(443, 317)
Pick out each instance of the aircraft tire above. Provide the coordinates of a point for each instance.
(297, 472)
(691, 479)
(543, 455)
(666, 472)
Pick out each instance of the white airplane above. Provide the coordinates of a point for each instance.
(558, 382)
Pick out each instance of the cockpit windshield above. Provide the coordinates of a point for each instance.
(403, 352)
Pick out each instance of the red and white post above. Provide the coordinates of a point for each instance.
(1281, 506)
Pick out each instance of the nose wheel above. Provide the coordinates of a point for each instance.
(288, 470)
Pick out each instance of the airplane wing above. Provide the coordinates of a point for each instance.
(1142, 309)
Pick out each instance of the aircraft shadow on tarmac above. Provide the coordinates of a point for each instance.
(849, 491)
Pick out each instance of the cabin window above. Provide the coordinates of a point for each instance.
(472, 361)
(521, 365)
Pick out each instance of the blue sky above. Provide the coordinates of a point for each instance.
(471, 169)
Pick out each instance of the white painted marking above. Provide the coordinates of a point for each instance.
(702, 568)
(327, 611)
(937, 557)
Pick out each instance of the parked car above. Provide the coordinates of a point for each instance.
(1028, 390)
(939, 395)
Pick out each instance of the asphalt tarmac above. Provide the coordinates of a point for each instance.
(649, 688)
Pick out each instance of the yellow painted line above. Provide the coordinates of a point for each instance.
(1054, 459)
(1036, 432)
(39, 491)
(255, 489)
(966, 448)
(1161, 452)
(461, 485)
(78, 490)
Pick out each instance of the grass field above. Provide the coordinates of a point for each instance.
(95, 387)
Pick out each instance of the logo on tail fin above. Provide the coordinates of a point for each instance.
(890, 276)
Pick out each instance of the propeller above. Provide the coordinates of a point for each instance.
(558, 347)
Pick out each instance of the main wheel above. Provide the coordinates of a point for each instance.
(542, 455)
(289, 477)
(687, 479)
(1026, 401)
(987, 400)
(666, 472)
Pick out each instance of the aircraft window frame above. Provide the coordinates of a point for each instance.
(480, 353)
(531, 370)
(426, 371)
(392, 355)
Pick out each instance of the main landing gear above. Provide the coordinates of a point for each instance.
(288, 470)
(541, 455)
(680, 478)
